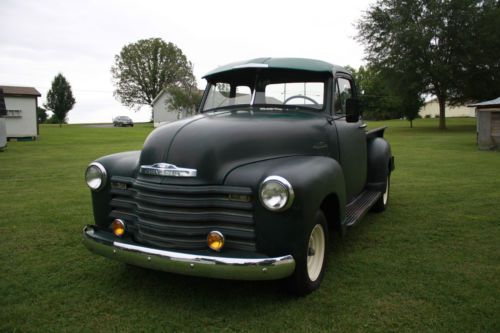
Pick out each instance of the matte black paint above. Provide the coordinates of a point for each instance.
(217, 142)
(319, 155)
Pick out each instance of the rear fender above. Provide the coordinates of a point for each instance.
(380, 163)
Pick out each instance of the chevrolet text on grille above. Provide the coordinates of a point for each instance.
(168, 170)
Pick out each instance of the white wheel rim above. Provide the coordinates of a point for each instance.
(315, 252)
(386, 193)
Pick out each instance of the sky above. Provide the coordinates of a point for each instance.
(39, 39)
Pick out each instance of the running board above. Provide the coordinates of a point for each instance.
(357, 208)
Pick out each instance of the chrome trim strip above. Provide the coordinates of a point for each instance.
(178, 256)
(168, 170)
(251, 65)
(286, 184)
(188, 264)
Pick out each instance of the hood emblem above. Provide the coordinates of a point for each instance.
(167, 170)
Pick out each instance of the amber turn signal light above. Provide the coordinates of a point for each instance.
(118, 227)
(215, 240)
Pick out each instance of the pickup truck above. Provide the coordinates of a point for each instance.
(276, 158)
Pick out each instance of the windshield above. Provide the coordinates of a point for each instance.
(266, 88)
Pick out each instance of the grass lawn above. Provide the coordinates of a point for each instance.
(431, 262)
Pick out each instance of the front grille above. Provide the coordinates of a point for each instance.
(180, 217)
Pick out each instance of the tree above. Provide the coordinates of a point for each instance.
(144, 68)
(41, 115)
(378, 100)
(53, 120)
(432, 43)
(60, 99)
(479, 78)
(384, 96)
(186, 100)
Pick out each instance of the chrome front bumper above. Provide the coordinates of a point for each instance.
(105, 244)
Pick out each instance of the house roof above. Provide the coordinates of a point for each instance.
(493, 102)
(282, 63)
(20, 91)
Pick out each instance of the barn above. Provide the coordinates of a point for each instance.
(430, 109)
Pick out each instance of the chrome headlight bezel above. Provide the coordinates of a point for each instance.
(103, 176)
(287, 188)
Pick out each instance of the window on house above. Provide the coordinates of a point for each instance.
(14, 113)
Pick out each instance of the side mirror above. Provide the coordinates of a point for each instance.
(352, 110)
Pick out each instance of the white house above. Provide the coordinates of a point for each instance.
(431, 109)
(162, 112)
(20, 118)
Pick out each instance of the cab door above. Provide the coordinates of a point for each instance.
(351, 139)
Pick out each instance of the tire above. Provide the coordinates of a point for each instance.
(310, 264)
(383, 201)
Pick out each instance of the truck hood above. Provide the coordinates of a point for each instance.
(215, 143)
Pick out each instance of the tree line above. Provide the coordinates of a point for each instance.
(446, 48)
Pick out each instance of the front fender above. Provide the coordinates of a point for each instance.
(313, 178)
(121, 164)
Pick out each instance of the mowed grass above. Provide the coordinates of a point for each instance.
(430, 263)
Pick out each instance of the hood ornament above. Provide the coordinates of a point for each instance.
(167, 170)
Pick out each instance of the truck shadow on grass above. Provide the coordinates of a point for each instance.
(143, 282)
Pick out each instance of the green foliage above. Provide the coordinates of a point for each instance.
(479, 78)
(144, 68)
(383, 96)
(430, 263)
(54, 120)
(184, 100)
(41, 115)
(60, 99)
(438, 46)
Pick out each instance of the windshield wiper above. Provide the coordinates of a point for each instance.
(243, 106)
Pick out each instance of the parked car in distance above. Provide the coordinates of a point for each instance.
(250, 187)
(122, 121)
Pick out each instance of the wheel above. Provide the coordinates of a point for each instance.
(382, 202)
(311, 262)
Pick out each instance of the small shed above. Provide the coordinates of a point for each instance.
(488, 124)
(20, 119)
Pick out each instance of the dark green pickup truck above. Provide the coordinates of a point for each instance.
(250, 187)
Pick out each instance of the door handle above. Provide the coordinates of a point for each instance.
(363, 125)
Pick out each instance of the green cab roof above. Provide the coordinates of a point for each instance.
(282, 63)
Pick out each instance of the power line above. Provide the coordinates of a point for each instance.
(83, 90)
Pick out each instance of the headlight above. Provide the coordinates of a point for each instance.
(95, 176)
(276, 193)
